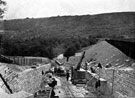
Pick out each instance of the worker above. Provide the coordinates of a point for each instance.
(99, 65)
(35, 95)
(108, 65)
(97, 84)
(55, 70)
(42, 72)
(53, 83)
(92, 70)
(67, 75)
(52, 93)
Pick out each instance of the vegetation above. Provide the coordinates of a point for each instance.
(2, 8)
(41, 47)
(51, 36)
(70, 52)
(2, 11)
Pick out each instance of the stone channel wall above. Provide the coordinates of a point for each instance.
(28, 80)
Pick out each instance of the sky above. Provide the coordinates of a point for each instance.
(47, 8)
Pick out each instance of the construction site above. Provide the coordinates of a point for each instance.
(103, 70)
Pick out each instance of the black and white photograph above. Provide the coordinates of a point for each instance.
(67, 48)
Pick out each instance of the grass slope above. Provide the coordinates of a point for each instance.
(102, 25)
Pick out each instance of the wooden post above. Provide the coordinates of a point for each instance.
(24, 61)
(99, 73)
(113, 80)
(99, 79)
(17, 60)
(21, 61)
(41, 60)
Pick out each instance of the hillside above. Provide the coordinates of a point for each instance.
(104, 53)
(102, 25)
(52, 36)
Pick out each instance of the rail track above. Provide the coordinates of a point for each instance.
(67, 89)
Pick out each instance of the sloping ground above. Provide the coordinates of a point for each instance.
(124, 80)
(20, 94)
(105, 53)
(28, 80)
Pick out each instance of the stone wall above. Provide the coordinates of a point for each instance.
(29, 80)
(104, 88)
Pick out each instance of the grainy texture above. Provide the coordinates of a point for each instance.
(105, 53)
(29, 80)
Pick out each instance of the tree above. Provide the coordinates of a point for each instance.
(70, 52)
(2, 8)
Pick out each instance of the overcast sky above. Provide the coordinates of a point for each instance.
(47, 8)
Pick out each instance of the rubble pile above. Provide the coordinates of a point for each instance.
(105, 53)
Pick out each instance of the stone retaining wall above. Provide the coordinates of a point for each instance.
(29, 80)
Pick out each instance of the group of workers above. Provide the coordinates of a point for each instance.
(51, 81)
(93, 70)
